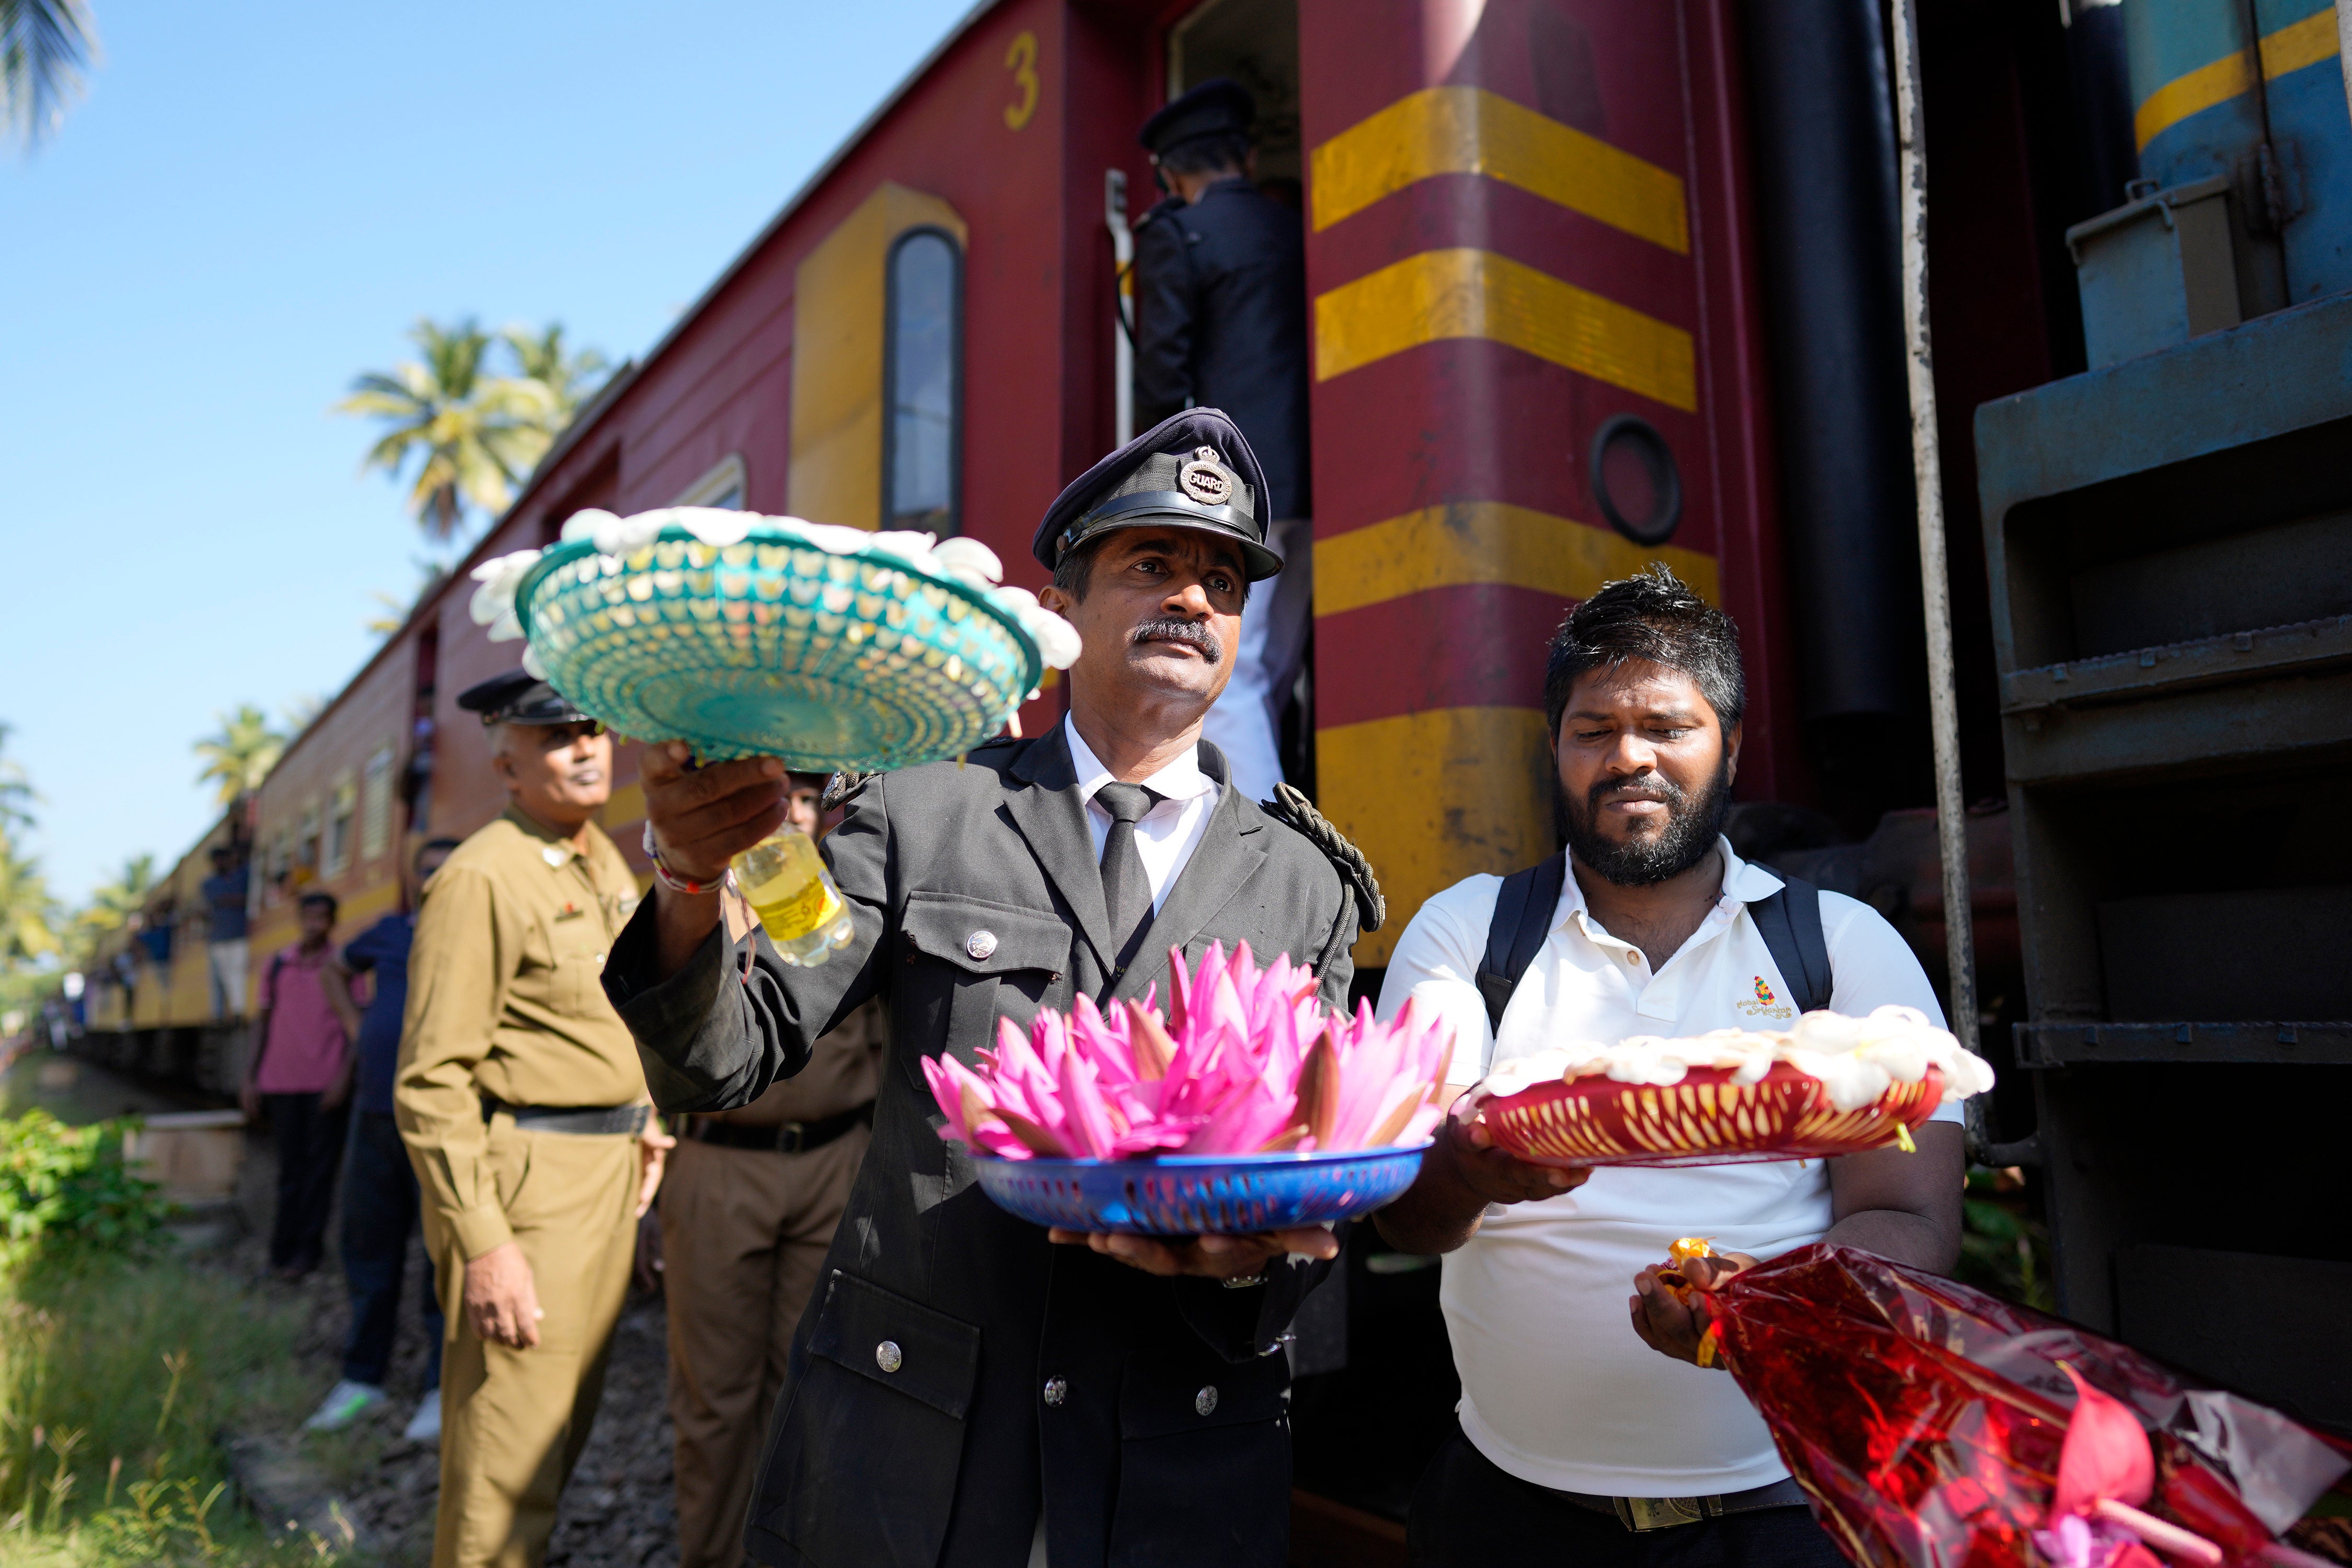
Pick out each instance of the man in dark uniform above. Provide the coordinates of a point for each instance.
(963, 1390)
(1221, 322)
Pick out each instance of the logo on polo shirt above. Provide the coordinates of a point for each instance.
(1766, 1005)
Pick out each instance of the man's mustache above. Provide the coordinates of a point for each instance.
(1190, 633)
(1653, 788)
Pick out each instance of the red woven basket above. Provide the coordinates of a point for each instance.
(1705, 1120)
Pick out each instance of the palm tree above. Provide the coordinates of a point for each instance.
(477, 433)
(300, 709)
(395, 610)
(241, 754)
(28, 916)
(571, 379)
(111, 905)
(16, 794)
(44, 46)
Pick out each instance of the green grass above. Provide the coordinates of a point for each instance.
(115, 1375)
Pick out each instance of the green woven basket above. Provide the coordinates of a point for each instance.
(775, 648)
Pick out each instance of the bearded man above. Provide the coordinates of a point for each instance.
(1575, 1442)
(967, 1390)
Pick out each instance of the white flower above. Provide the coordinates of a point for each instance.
(1826, 1031)
(1058, 640)
(583, 524)
(530, 662)
(969, 562)
(1856, 1060)
(831, 538)
(616, 535)
(493, 603)
(1640, 1062)
(714, 525)
(915, 549)
(1524, 1072)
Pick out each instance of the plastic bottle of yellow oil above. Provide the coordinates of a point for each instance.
(799, 904)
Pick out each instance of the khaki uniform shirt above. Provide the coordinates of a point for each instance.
(844, 1072)
(505, 999)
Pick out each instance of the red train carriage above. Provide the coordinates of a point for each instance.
(1549, 314)
(1507, 263)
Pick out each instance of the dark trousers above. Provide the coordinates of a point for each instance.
(310, 1147)
(1468, 1513)
(379, 1212)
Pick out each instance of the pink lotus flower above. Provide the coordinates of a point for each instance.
(1245, 1061)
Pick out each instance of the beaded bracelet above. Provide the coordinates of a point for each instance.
(671, 880)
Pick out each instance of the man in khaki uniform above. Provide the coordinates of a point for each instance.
(748, 1209)
(524, 1110)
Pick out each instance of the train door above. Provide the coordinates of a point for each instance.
(1255, 44)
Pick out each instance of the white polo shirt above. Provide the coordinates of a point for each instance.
(1557, 1389)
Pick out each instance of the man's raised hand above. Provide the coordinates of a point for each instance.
(703, 817)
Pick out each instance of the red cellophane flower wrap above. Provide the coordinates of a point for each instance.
(1933, 1427)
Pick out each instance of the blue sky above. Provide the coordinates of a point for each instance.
(251, 205)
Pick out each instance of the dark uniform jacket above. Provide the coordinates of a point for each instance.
(1220, 319)
(1148, 1412)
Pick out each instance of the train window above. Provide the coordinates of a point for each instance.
(922, 358)
(722, 487)
(276, 863)
(342, 807)
(375, 806)
(306, 846)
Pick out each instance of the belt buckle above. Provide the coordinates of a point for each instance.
(1642, 1514)
(790, 1136)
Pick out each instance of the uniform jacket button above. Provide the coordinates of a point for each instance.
(1058, 1389)
(1205, 1402)
(887, 1356)
(979, 943)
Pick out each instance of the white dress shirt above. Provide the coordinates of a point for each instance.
(1556, 1387)
(1166, 836)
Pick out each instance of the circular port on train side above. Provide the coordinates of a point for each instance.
(1635, 481)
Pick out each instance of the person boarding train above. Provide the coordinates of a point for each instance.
(1221, 322)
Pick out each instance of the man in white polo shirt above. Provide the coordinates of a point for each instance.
(1579, 1441)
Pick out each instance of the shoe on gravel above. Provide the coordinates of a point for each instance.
(424, 1426)
(345, 1403)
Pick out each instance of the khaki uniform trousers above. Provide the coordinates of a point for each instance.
(744, 1234)
(513, 1422)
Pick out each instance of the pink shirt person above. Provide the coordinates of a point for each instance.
(304, 1053)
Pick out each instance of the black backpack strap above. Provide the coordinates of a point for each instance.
(1522, 920)
(1790, 924)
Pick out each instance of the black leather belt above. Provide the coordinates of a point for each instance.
(587, 1121)
(1641, 1515)
(783, 1138)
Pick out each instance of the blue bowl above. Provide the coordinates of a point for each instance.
(1198, 1195)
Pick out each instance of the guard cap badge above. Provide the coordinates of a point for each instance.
(1205, 478)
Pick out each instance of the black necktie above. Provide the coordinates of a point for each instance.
(1127, 889)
